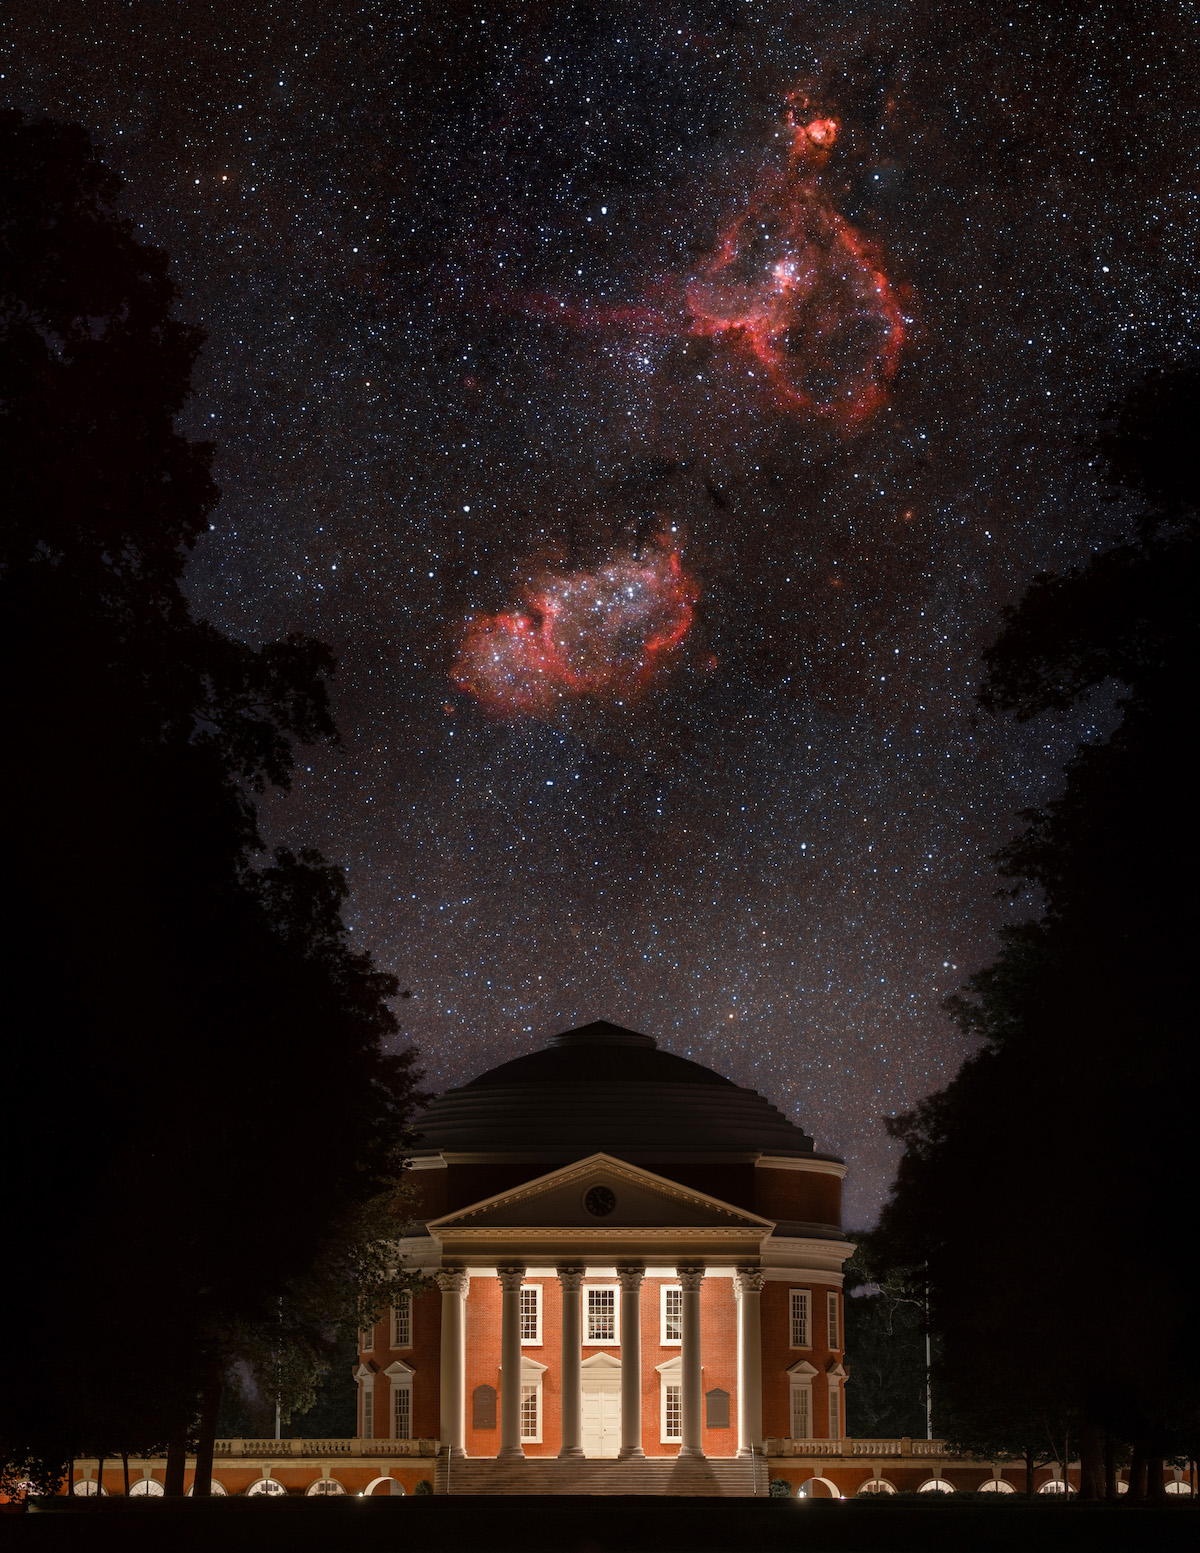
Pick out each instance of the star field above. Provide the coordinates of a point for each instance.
(443, 256)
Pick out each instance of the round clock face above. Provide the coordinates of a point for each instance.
(600, 1201)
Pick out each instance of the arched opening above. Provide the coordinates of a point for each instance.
(818, 1488)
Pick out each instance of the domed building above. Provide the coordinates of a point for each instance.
(652, 1252)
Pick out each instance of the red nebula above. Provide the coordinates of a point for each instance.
(792, 288)
(603, 633)
(795, 288)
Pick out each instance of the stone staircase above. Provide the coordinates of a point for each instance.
(724, 1478)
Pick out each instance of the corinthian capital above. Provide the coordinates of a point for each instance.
(690, 1276)
(749, 1280)
(452, 1281)
(571, 1278)
(630, 1278)
(510, 1277)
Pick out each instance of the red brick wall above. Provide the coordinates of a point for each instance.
(798, 1194)
(779, 1355)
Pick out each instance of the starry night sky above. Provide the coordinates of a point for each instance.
(453, 372)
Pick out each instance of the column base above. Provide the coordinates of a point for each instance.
(571, 1453)
(510, 1453)
(696, 1451)
(454, 1453)
(630, 1453)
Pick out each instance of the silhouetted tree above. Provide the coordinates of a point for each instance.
(195, 1048)
(1045, 1187)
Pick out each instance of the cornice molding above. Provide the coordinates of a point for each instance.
(580, 1170)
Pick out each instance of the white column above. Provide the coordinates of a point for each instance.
(571, 1279)
(510, 1361)
(630, 1279)
(749, 1282)
(691, 1372)
(453, 1285)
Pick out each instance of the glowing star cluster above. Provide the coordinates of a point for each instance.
(795, 287)
(603, 633)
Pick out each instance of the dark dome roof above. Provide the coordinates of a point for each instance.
(604, 1089)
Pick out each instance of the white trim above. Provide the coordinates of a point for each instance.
(670, 1374)
(395, 1333)
(596, 1342)
(532, 1374)
(807, 1303)
(536, 1290)
(400, 1375)
(833, 1322)
(366, 1413)
(425, 1162)
(821, 1167)
(800, 1399)
(663, 1340)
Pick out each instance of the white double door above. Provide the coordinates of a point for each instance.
(601, 1412)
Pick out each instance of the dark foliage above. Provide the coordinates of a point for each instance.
(199, 1091)
(1048, 1187)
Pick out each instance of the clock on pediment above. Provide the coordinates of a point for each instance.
(600, 1201)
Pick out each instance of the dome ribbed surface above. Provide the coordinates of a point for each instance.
(604, 1089)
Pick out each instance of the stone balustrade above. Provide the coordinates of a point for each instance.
(261, 1450)
(843, 1448)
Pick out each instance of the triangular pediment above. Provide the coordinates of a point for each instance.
(602, 1193)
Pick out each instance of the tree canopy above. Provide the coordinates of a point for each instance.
(1046, 1189)
(200, 1054)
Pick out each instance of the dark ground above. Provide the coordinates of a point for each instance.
(564, 1524)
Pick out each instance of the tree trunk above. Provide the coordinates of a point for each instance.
(1029, 1470)
(1137, 1476)
(1110, 1468)
(1091, 1462)
(210, 1406)
(100, 1477)
(125, 1467)
(176, 1463)
(1156, 1486)
(71, 1478)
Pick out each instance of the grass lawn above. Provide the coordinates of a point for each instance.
(565, 1524)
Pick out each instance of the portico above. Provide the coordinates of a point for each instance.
(602, 1232)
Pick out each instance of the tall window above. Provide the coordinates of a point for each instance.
(402, 1327)
(801, 1412)
(368, 1410)
(672, 1412)
(402, 1413)
(672, 1314)
(801, 1306)
(368, 1340)
(601, 1316)
(834, 1335)
(835, 1412)
(531, 1312)
(530, 1411)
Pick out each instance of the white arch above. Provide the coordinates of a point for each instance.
(805, 1489)
(268, 1486)
(875, 1486)
(995, 1486)
(396, 1488)
(216, 1488)
(328, 1485)
(936, 1486)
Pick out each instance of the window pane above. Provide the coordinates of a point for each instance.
(402, 1403)
(833, 1322)
(602, 1316)
(672, 1315)
(529, 1412)
(368, 1413)
(801, 1413)
(674, 1412)
(530, 1326)
(799, 1318)
(402, 1323)
(835, 1414)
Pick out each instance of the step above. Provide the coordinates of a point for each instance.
(666, 1475)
